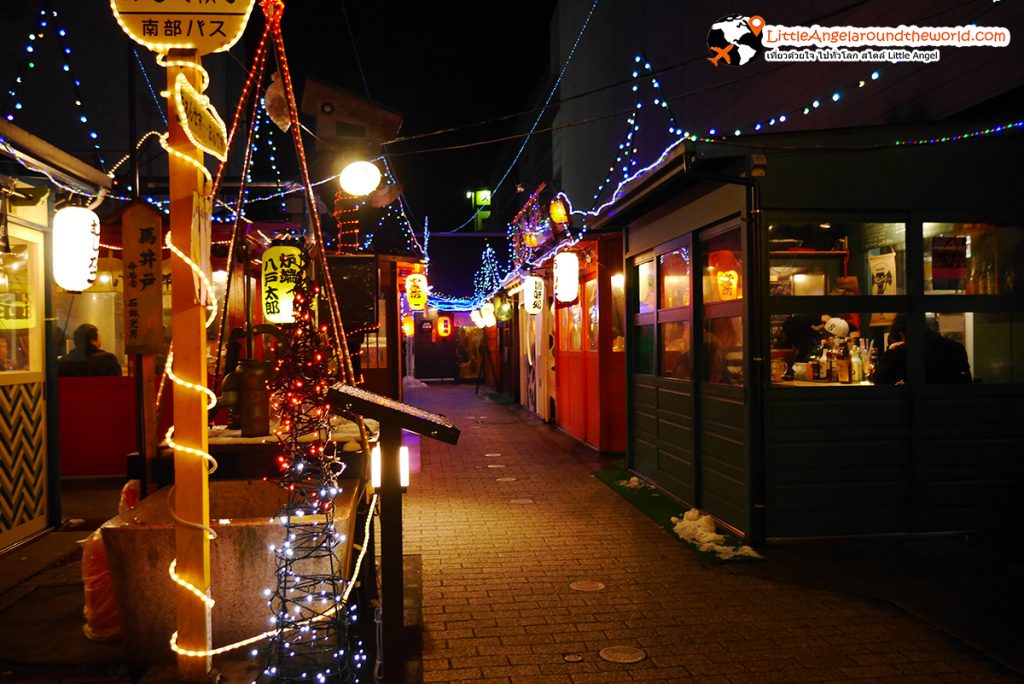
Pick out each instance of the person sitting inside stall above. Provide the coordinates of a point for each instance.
(945, 360)
(87, 358)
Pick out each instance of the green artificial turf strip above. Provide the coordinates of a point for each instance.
(662, 509)
(500, 398)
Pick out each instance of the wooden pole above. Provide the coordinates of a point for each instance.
(191, 490)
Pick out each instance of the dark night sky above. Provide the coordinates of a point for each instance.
(441, 65)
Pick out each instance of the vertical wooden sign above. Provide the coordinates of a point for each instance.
(143, 280)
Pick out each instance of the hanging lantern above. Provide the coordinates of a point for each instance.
(444, 326)
(533, 294)
(503, 310)
(416, 291)
(76, 247)
(359, 178)
(282, 266)
(487, 315)
(477, 318)
(567, 276)
(408, 325)
(560, 210)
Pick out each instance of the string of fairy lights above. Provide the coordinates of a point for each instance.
(49, 24)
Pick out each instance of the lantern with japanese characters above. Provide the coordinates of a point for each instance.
(444, 326)
(76, 248)
(416, 291)
(533, 294)
(567, 276)
(282, 266)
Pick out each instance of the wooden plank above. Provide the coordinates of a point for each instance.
(142, 240)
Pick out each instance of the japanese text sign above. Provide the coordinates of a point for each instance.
(282, 268)
(202, 25)
(143, 281)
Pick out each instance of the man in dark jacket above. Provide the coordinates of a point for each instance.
(87, 358)
(945, 360)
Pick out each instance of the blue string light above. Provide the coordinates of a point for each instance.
(540, 114)
(149, 84)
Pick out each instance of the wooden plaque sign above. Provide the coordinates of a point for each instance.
(143, 280)
(202, 25)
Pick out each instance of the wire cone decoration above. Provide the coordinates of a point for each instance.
(312, 642)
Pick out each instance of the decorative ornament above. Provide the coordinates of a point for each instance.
(567, 276)
(276, 104)
(76, 247)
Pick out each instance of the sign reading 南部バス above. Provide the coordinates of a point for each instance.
(202, 25)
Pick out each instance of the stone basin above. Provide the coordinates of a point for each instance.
(140, 547)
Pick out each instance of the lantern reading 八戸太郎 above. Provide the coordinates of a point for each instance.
(282, 266)
(408, 325)
(76, 248)
(567, 276)
(416, 291)
(444, 326)
(533, 294)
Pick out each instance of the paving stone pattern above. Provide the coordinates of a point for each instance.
(497, 606)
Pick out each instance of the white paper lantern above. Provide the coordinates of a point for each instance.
(567, 276)
(533, 294)
(76, 248)
(359, 178)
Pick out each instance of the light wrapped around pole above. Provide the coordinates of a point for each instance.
(533, 294)
(567, 276)
(416, 291)
(76, 248)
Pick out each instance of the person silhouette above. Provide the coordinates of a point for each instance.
(87, 359)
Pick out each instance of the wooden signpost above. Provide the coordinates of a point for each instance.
(181, 31)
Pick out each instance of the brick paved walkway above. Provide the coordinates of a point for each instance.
(497, 605)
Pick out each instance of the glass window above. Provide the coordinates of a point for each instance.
(674, 268)
(563, 328)
(676, 356)
(593, 314)
(722, 262)
(973, 258)
(643, 349)
(575, 326)
(837, 348)
(618, 312)
(645, 287)
(974, 346)
(723, 350)
(21, 302)
(833, 258)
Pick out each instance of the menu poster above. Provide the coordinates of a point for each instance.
(141, 230)
(883, 274)
(949, 262)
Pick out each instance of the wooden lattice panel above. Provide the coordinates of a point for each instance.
(22, 455)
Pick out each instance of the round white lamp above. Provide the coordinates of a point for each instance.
(359, 178)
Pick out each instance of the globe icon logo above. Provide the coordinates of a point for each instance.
(735, 39)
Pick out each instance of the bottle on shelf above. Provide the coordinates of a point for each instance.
(856, 364)
(843, 363)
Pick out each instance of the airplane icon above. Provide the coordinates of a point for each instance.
(720, 53)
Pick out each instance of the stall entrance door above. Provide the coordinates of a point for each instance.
(578, 406)
(23, 458)
(723, 423)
